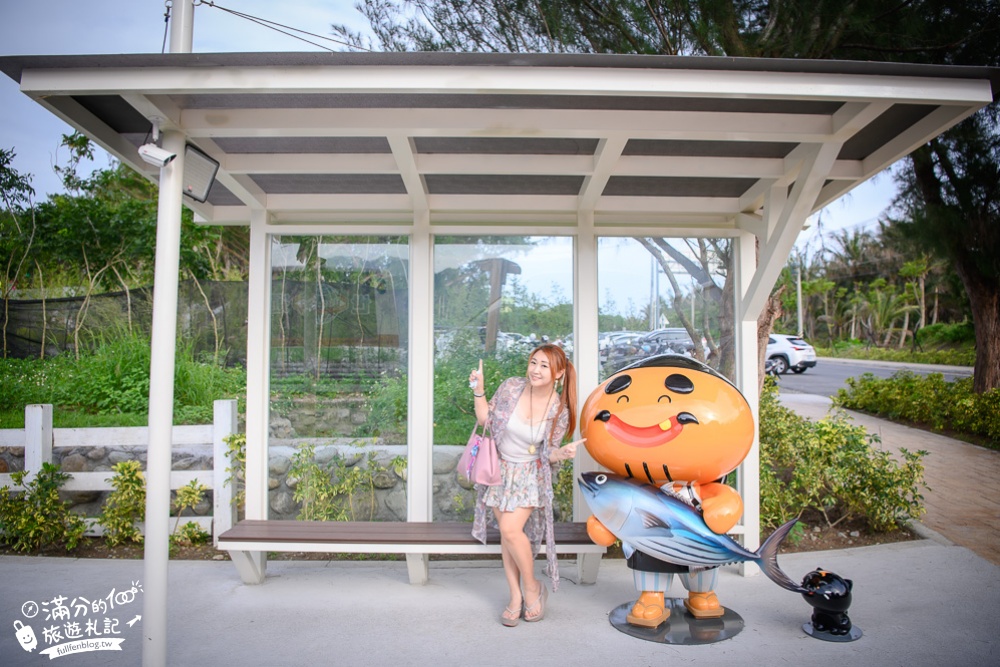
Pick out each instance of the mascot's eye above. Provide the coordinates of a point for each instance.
(620, 383)
(678, 383)
(601, 479)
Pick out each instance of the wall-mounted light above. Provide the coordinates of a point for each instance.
(199, 173)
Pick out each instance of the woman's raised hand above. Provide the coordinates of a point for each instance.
(476, 379)
(567, 451)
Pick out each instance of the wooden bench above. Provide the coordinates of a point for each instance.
(249, 541)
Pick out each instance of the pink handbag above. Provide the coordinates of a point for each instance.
(480, 462)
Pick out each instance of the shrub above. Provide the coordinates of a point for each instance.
(341, 491)
(833, 468)
(187, 498)
(947, 334)
(562, 490)
(236, 450)
(35, 517)
(188, 535)
(927, 401)
(125, 506)
(964, 356)
(313, 488)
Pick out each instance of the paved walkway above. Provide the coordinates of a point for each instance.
(963, 495)
(919, 604)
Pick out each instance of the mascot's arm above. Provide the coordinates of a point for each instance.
(721, 507)
(599, 533)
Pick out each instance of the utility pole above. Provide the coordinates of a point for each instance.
(798, 298)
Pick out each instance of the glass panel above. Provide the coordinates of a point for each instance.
(661, 295)
(338, 378)
(495, 299)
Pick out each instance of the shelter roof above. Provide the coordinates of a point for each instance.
(675, 142)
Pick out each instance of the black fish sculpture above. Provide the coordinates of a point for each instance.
(829, 594)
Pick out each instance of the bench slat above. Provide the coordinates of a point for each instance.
(249, 541)
(371, 532)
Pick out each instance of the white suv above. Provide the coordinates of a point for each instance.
(790, 352)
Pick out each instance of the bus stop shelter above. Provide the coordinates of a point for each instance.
(428, 144)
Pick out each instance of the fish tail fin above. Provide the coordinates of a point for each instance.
(767, 558)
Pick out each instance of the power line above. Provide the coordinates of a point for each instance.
(277, 27)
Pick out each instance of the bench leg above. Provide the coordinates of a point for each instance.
(251, 565)
(587, 566)
(417, 567)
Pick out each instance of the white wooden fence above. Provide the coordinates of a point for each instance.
(39, 438)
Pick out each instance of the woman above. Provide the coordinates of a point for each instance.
(528, 417)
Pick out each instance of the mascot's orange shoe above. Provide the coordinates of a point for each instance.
(704, 605)
(649, 610)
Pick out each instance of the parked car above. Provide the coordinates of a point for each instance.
(618, 347)
(665, 341)
(790, 353)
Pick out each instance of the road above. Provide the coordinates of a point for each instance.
(829, 375)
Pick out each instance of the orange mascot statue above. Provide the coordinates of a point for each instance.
(672, 422)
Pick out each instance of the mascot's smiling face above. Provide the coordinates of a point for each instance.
(668, 418)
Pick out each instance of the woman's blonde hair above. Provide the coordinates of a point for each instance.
(560, 364)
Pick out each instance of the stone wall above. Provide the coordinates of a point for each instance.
(308, 417)
(452, 501)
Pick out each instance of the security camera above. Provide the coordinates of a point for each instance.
(156, 156)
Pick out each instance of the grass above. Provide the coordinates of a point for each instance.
(109, 386)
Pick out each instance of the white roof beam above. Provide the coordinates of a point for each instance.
(784, 230)
(641, 82)
(156, 106)
(752, 223)
(586, 124)
(608, 152)
(70, 111)
(402, 151)
(854, 116)
(478, 163)
(920, 133)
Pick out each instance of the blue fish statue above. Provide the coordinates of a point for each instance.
(661, 524)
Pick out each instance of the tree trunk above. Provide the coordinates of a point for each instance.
(985, 302)
(765, 323)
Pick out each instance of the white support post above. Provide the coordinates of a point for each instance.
(587, 567)
(161, 381)
(224, 424)
(258, 366)
(161, 405)
(586, 332)
(420, 423)
(37, 438)
(258, 376)
(745, 259)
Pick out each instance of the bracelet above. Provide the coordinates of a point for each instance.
(478, 395)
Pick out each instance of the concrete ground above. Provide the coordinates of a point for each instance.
(917, 603)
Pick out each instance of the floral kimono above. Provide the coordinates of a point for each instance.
(540, 523)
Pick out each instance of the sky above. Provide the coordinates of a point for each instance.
(50, 27)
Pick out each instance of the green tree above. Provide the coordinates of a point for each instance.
(953, 194)
(951, 201)
(98, 235)
(18, 230)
